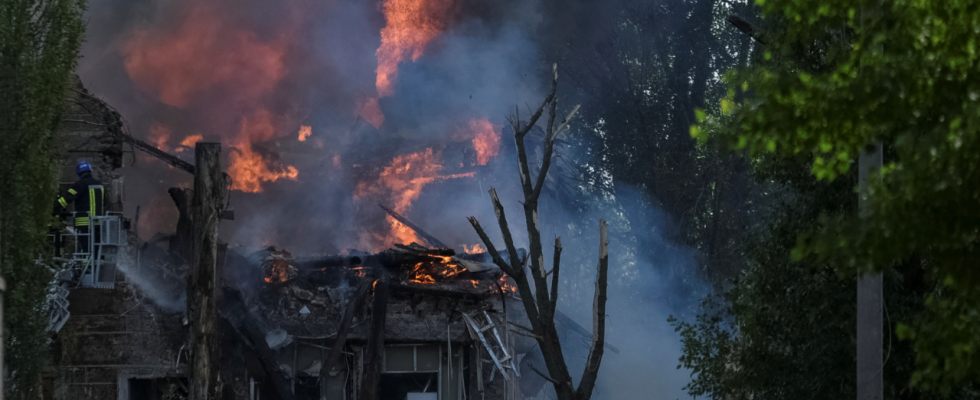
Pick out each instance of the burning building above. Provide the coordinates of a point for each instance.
(404, 315)
(405, 321)
(443, 322)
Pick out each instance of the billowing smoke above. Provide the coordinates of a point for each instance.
(325, 109)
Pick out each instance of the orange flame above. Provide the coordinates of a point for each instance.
(487, 140)
(191, 140)
(401, 182)
(359, 271)
(279, 272)
(305, 132)
(159, 136)
(409, 26)
(400, 233)
(404, 178)
(505, 284)
(247, 168)
(474, 249)
(206, 54)
(425, 273)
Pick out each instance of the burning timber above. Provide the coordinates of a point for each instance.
(444, 330)
(408, 322)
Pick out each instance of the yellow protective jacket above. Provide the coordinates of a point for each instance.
(88, 195)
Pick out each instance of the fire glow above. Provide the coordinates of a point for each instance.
(278, 271)
(305, 132)
(425, 273)
(208, 55)
(474, 249)
(202, 54)
(189, 142)
(401, 183)
(409, 26)
(486, 140)
(247, 168)
(159, 136)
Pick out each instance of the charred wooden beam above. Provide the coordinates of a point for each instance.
(746, 27)
(371, 381)
(443, 290)
(330, 261)
(338, 344)
(423, 234)
(238, 316)
(391, 259)
(153, 151)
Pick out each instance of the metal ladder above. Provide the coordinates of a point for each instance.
(503, 359)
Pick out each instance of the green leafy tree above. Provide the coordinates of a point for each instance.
(39, 45)
(841, 74)
(784, 329)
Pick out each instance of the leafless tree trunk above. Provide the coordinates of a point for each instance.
(209, 193)
(540, 304)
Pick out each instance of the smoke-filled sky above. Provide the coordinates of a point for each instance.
(252, 75)
(326, 108)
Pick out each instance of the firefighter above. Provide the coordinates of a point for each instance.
(87, 194)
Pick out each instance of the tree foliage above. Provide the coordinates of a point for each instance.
(784, 329)
(640, 70)
(39, 45)
(840, 74)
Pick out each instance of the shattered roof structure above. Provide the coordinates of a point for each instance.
(435, 299)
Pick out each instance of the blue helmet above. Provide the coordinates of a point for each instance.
(83, 166)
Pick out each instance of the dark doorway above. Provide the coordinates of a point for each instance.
(398, 386)
(141, 389)
(157, 388)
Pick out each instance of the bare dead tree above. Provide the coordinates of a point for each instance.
(540, 304)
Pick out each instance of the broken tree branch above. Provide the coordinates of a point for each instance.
(423, 234)
(598, 317)
(564, 123)
(746, 27)
(525, 334)
(549, 144)
(520, 133)
(549, 147)
(498, 210)
(490, 247)
(516, 273)
(555, 269)
(548, 378)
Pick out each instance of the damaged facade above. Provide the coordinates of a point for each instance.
(410, 322)
(437, 340)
